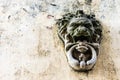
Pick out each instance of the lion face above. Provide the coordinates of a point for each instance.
(80, 29)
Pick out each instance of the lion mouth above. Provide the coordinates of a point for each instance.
(82, 38)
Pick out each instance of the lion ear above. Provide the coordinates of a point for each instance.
(64, 20)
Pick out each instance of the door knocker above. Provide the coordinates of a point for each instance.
(81, 34)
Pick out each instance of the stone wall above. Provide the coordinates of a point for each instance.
(31, 50)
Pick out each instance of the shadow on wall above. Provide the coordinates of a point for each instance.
(104, 67)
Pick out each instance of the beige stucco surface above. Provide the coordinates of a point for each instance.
(31, 50)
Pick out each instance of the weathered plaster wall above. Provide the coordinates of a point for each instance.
(31, 50)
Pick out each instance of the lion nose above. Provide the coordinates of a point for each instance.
(83, 29)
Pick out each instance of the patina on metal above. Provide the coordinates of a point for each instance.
(81, 34)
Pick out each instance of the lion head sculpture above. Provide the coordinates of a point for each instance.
(81, 35)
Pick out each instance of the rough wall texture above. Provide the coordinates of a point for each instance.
(31, 50)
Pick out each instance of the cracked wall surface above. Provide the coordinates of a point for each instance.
(31, 50)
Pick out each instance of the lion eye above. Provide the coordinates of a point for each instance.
(87, 25)
(73, 25)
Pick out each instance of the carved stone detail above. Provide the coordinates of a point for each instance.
(81, 34)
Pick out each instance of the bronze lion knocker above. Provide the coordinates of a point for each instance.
(81, 34)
